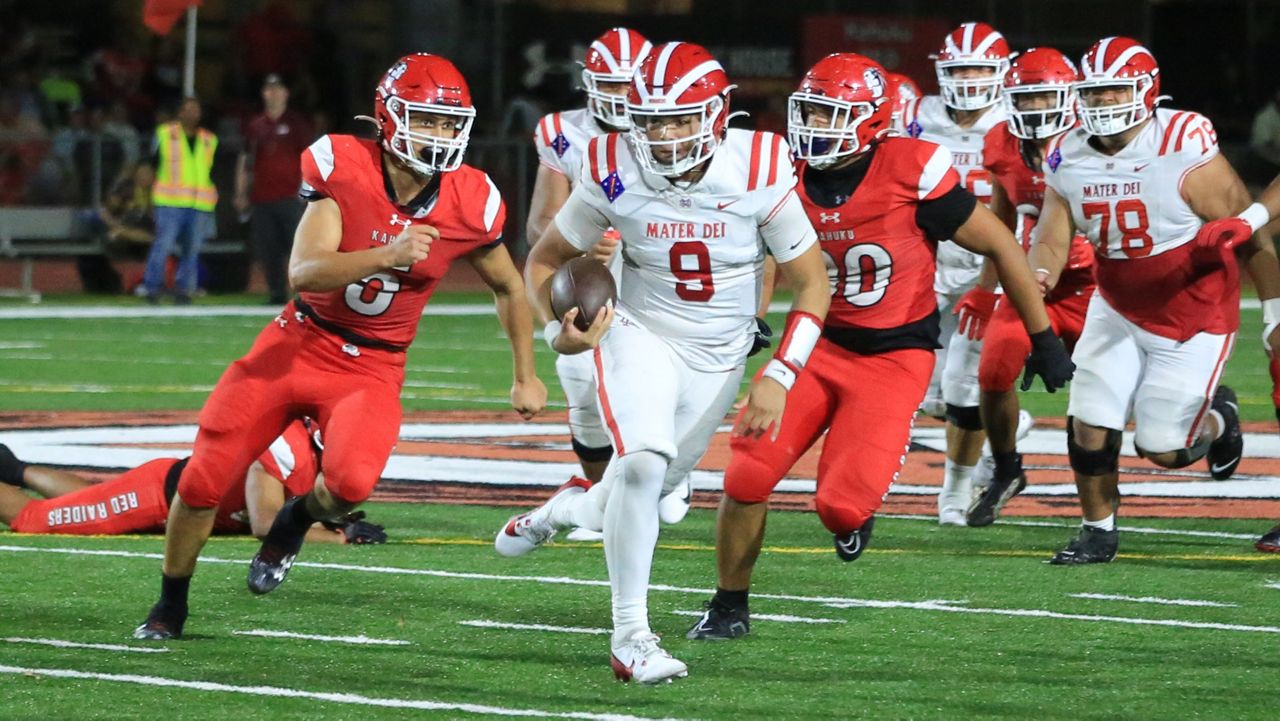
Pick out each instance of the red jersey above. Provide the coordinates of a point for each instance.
(293, 459)
(1002, 155)
(879, 259)
(385, 307)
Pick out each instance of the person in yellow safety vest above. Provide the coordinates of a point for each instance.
(184, 199)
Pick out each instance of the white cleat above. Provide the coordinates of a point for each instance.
(952, 517)
(675, 505)
(527, 531)
(585, 535)
(642, 660)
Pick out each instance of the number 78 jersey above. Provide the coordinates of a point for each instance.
(693, 257)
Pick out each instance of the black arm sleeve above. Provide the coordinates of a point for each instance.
(941, 217)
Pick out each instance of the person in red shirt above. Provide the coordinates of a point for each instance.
(880, 204)
(267, 179)
(385, 220)
(137, 501)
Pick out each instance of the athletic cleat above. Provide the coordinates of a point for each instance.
(675, 505)
(271, 564)
(1092, 545)
(952, 517)
(1270, 541)
(161, 626)
(1225, 452)
(983, 512)
(585, 535)
(642, 660)
(986, 469)
(720, 623)
(851, 545)
(527, 531)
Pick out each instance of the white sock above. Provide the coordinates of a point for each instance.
(630, 535)
(957, 484)
(1219, 422)
(581, 510)
(1103, 524)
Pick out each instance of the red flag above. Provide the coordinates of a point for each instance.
(161, 15)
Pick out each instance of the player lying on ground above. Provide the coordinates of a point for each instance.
(881, 206)
(137, 501)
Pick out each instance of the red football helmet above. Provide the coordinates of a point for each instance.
(903, 89)
(428, 85)
(612, 58)
(1117, 62)
(972, 45)
(676, 80)
(1040, 71)
(843, 106)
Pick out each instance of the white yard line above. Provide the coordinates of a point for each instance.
(332, 697)
(778, 617)
(481, 623)
(360, 640)
(1155, 600)
(72, 644)
(830, 601)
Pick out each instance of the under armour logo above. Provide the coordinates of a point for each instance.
(829, 217)
(395, 220)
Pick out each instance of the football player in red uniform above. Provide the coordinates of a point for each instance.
(881, 204)
(137, 501)
(385, 220)
(1037, 97)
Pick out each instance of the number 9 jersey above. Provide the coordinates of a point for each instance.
(1131, 207)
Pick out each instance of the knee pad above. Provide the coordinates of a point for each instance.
(589, 454)
(200, 486)
(747, 480)
(965, 417)
(351, 485)
(644, 468)
(1093, 463)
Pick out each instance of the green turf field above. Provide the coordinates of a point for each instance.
(932, 623)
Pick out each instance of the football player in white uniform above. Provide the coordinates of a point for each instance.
(971, 66)
(697, 205)
(561, 139)
(1139, 182)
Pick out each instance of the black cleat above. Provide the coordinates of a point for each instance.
(851, 545)
(11, 469)
(720, 623)
(1225, 453)
(162, 624)
(1270, 541)
(986, 507)
(271, 564)
(1091, 546)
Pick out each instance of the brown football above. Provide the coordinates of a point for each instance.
(583, 283)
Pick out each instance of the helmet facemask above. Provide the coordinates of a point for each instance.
(422, 151)
(823, 146)
(1040, 123)
(1115, 119)
(608, 108)
(971, 93)
(697, 146)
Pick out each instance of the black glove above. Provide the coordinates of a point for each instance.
(760, 340)
(357, 530)
(1049, 360)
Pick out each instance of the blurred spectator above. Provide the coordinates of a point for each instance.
(116, 128)
(184, 198)
(267, 178)
(1265, 138)
(124, 226)
(61, 94)
(23, 146)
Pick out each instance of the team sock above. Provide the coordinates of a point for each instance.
(1102, 524)
(1008, 465)
(173, 593)
(731, 599)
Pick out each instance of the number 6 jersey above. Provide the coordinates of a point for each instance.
(1131, 207)
(466, 208)
(692, 256)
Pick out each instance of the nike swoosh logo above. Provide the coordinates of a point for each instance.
(1140, 168)
(852, 545)
(722, 206)
(1219, 468)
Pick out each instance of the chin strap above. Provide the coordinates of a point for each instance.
(801, 335)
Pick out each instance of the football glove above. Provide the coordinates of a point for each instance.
(762, 337)
(973, 312)
(357, 530)
(1216, 240)
(1049, 360)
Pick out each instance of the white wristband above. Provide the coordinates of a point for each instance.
(779, 371)
(1256, 216)
(550, 332)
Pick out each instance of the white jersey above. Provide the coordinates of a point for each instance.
(927, 118)
(693, 258)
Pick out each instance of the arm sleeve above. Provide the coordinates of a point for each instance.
(787, 233)
(940, 217)
(317, 166)
(579, 222)
(495, 216)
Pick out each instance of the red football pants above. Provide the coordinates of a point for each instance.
(866, 404)
(1006, 345)
(296, 369)
(132, 502)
